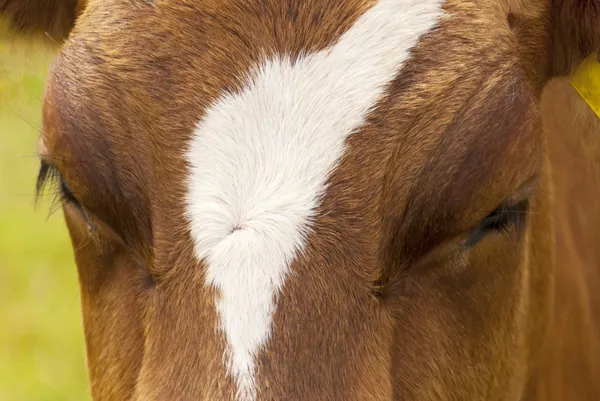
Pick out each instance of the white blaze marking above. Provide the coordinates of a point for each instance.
(260, 160)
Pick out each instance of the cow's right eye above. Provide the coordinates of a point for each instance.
(50, 175)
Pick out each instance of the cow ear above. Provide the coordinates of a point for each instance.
(554, 36)
(48, 19)
(576, 33)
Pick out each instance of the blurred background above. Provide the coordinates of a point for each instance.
(42, 354)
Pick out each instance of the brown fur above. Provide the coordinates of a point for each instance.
(386, 303)
(575, 33)
(570, 364)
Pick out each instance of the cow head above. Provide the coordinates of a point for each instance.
(317, 200)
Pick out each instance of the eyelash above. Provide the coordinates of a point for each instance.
(501, 219)
(49, 175)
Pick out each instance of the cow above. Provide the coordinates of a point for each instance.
(326, 199)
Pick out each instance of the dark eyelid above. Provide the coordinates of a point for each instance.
(497, 220)
(49, 174)
(66, 191)
(513, 211)
(507, 214)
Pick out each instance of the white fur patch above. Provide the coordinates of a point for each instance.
(260, 160)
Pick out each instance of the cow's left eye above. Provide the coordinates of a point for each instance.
(505, 217)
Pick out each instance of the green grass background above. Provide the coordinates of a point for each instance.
(42, 354)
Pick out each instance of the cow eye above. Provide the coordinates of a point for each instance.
(67, 193)
(50, 175)
(504, 218)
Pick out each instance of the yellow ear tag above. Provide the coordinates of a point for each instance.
(586, 81)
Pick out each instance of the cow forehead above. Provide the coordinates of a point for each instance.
(130, 78)
(111, 85)
(261, 159)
